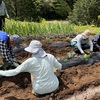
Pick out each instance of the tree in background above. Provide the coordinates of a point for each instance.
(70, 3)
(81, 11)
(57, 9)
(32, 9)
(85, 12)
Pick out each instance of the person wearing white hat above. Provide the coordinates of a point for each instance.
(6, 43)
(81, 42)
(40, 66)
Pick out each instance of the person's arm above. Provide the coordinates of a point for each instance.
(11, 52)
(91, 45)
(79, 44)
(24, 67)
(6, 52)
(57, 65)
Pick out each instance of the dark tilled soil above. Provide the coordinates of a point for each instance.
(74, 79)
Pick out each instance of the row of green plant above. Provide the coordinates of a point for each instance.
(45, 28)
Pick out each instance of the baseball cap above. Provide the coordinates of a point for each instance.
(16, 40)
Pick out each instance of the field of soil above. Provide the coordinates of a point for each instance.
(80, 82)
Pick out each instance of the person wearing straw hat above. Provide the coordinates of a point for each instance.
(6, 48)
(40, 66)
(81, 42)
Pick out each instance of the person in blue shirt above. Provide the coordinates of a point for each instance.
(6, 43)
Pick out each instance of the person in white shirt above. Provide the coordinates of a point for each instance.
(81, 42)
(41, 67)
(3, 14)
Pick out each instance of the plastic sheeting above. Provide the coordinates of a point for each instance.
(60, 44)
(66, 63)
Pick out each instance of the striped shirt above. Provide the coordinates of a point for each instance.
(6, 51)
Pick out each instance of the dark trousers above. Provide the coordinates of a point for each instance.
(83, 46)
(95, 49)
(2, 22)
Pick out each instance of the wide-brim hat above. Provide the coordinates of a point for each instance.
(35, 47)
(86, 33)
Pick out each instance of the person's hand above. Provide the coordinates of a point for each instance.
(58, 72)
(16, 61)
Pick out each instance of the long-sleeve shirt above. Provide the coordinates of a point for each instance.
(96, 40)
(45, 81)
(79, 39)
(5, 48)
(3, 10)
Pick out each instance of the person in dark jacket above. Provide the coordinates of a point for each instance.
(96, 42)
(6, 43)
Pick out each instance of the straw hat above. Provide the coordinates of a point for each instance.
(86, 33)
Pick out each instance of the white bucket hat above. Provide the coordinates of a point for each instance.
(35, 47)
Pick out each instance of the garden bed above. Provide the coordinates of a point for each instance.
(75, 81)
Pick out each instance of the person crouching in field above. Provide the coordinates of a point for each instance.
(81, 42)
(96, 43)
(40, 66)
(7, 42)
